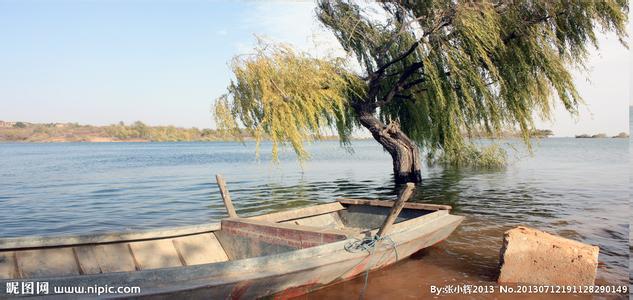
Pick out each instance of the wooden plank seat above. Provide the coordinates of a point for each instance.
(244, 238)
(300, 213)
(84, 259)
(389, 203)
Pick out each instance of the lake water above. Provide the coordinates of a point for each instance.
(577, 188)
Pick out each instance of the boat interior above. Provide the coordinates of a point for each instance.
(231, 239)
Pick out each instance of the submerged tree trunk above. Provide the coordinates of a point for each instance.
(404, 152)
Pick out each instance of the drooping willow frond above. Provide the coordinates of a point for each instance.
(287, 97)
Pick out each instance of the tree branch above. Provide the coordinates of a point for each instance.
(410, 84)
(446, 19)
(402, 56)
(515, 34)
(407, 97)
(410, 70)
(374, 78)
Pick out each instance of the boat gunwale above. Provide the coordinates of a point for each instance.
(389, 203)
(43, 242)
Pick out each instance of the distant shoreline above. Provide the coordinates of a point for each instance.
(140, 141)
(137, 132)
(621, 135)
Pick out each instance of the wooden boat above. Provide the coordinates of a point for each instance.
(281, 254)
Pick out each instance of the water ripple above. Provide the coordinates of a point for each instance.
(577, 192)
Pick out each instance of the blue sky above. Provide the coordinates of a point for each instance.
(164, 62)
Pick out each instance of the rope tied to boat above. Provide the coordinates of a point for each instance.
(369, 244)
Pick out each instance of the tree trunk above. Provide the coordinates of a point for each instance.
(404, 152)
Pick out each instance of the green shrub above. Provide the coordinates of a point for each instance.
(471, 155)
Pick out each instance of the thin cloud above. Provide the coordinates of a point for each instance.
(294, 23)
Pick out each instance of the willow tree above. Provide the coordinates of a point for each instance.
(428, 74)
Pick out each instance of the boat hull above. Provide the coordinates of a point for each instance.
(282, 276)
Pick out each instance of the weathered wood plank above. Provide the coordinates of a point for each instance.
(404, 225)
(389, 203)
(8, 265)
(47, 262)
(319, 221)
(114, 257)
(395, 210)
(337, 219)
(299, 213)
(87, 259)
(249, 238)
(200, 249)
(155, 254)
(101, 238)
(85, 239)
(226, 197)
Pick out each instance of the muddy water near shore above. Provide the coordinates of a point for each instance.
(462, 260)
(576, 188)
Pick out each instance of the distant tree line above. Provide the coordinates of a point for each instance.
(137, 131)
(621, 135)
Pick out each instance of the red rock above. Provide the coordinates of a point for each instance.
(535, 257)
